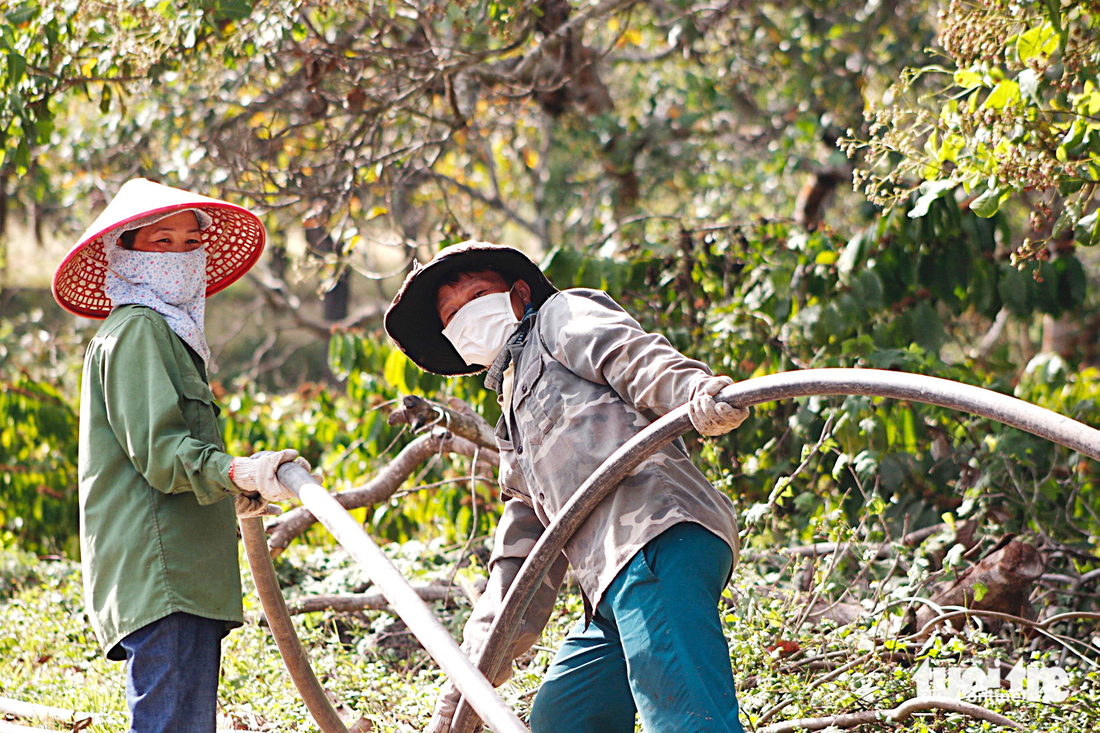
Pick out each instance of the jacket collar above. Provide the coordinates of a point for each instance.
(494, 378)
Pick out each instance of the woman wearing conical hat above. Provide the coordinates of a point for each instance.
(159, 496)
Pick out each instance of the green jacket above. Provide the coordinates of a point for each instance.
(155, 536)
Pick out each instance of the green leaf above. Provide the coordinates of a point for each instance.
(1087, 230)
(17, 69)
(1015, 288)
(1054, 11)
(1075, 141)
(1028, 81)
(1003, 95)
(232, 10)
(1046, 290)
(394, 371)
(1069, 186)
(929, 192)
(1072, 282)
(926, 326)
(989, 203)
(1071, 214)
(968, 79)
(1038, 41)
(853, 254)
(22, 14)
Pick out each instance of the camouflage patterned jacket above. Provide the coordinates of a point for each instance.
(585, 380)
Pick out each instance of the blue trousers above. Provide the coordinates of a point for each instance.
(654, 646)
(172, 674)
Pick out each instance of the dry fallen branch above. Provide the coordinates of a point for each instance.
(285, 528)
(892, 715)
(456, 416)
(883, 550)
(372, 601)
(78, 720)
(1041, 626)
(20, 709)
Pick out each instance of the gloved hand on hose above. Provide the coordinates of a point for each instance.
(256, 474)
(445, 708)
(250, 505)
(708, 415)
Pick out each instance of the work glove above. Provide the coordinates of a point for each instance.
(256, 474)
(709, 416)
(445, 708)
(254, 505)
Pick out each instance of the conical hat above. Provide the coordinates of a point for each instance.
(233, 241)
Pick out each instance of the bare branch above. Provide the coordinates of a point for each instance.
(371, 601)
(381, 487)
(277, 295)
(892, 715)
(419, 413)
(493, 201)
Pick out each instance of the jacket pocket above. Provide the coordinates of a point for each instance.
(537, 402)
(200, 410)
(509, 474)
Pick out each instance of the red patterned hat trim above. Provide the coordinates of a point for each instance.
(233, 241)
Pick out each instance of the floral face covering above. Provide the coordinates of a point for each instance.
(171, 283)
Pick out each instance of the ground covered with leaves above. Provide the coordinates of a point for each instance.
(788, 665)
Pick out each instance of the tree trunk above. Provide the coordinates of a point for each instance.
(1000, 581)
(334, 306)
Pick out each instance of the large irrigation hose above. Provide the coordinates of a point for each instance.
(806, 383)
(432, 635)
(282, 629)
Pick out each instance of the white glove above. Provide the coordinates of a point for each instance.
(709, 416)
(445, 708)
(256, 474)
(254, 505)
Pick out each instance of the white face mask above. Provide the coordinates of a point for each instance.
(479, 329)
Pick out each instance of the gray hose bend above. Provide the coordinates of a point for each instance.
(282, 629)
(809, 382)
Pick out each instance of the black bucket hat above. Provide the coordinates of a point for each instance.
(412, 320)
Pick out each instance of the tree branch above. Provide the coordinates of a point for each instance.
(892, 715)
(381, 487)
(457, 416)
(372, 601)
(494, 202)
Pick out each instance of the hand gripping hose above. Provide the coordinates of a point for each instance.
(401, 596)
(806, 383)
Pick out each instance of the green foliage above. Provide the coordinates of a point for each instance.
(54, 50)
(37, 473)
(48, 656)
(908, 293)
(1010, 116)
(38, 433)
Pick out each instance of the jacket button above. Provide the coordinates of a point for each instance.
(524, 389)
(519, 450)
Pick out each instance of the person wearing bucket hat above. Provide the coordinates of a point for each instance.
(158, 494)
(577, 377)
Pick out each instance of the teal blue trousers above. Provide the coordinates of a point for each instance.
(654, 647)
